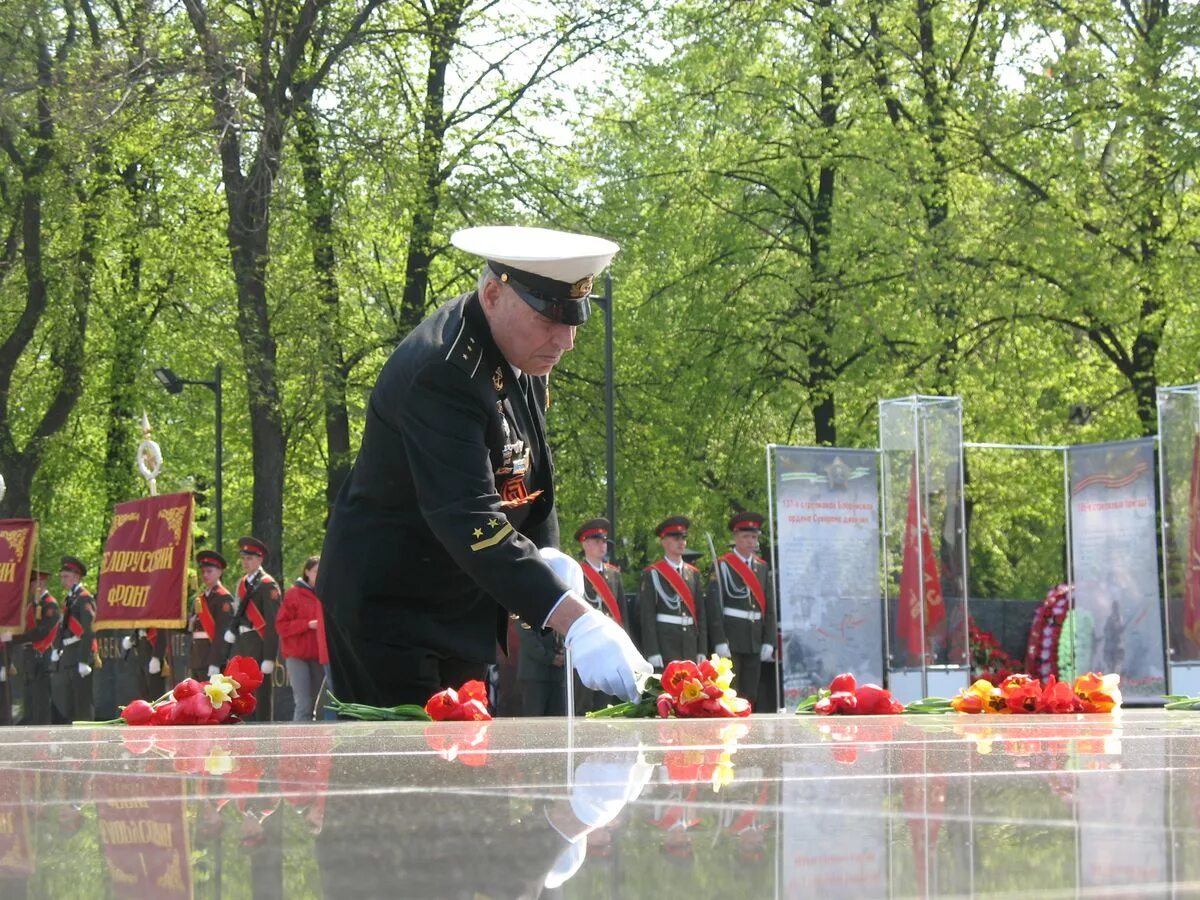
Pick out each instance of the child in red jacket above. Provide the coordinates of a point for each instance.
(301, 628)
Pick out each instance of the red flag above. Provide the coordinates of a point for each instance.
(914, 583)
(1191, 578)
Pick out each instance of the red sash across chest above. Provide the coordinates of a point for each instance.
(748, 578)
(253, 613)
(667, 571)
(604, 591)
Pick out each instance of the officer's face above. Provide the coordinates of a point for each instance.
(528, 340)
(210, 575)
(745, 542)
(250, 562)
(68, 579)
(674, 544)
(594, 547)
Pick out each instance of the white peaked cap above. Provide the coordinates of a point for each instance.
(558, 255)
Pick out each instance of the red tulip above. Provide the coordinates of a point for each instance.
(245, 672)
(187, 688)
(844, 682)
(139, 712)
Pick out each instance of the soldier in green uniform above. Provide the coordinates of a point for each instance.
(671, 600)
(251, 631)
(741, 606)
(42, 617)
(74, 648)
(602, 589)
(211, 613)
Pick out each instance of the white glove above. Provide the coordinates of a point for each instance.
(84, 670)
(5, 637)
(127, 642)
(267, 667)
(604, 656)
(656, 660)
(3, 674)
(722, 650)
(567, 864)
(214, 670)
(567, 569)
(54, 655)
(230, 637)
(605, 783)
(768, 652)
(154, 666)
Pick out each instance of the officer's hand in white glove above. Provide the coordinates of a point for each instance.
(722, 650)
(656, 660)
(214, 670)
(604, 783)
(604, 656)
(84, 670)
(230, 637)
(268, 666)
(768, 651)
(127, 642)
(154, 666)
(54, 655)
(5, 637)
(3, 674)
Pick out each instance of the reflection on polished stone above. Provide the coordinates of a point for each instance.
(764, 807)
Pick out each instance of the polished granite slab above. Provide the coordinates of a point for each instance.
(1054, 806)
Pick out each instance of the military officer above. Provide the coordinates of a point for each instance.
(251, 631)
(671, 600)
(435, 534)
(603, 590)
(741, 606)
(75, 646)
(42, 617)
(212, 612)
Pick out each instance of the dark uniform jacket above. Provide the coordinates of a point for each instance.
(612, 577)
(42, 617)
(438, 525)
(734, 616)
(212, 611)
(253, 619)
(79, 612)
(667, 625)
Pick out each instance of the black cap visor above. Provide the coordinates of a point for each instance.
(546, 296)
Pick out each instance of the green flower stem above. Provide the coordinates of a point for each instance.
(405, 712)
(117, 721)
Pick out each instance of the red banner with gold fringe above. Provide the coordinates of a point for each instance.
(143, 573)
(18, 540)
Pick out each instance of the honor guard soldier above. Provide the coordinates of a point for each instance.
(741, 606)
(212, 612)
(42, 617)
(602, 589)
(251, 630)
(671, 600)
(149, 648)
(435, 534)
(74, 648)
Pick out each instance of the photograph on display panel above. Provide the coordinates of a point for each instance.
(826, 504)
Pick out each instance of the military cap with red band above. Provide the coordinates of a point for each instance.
(251, 546)
(593, 528)
(73, 564)
(746, 521)
(675, 526)
(210, 558)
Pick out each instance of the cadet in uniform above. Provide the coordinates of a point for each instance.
(602, 589)
(741, 606)
(212, 611)
(540, 672)
(74, 648)
(435, 534)
(251, 630)
(42, 617)
(671, 600)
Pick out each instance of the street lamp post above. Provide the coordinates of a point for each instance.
(609, 405)
(174, 385)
